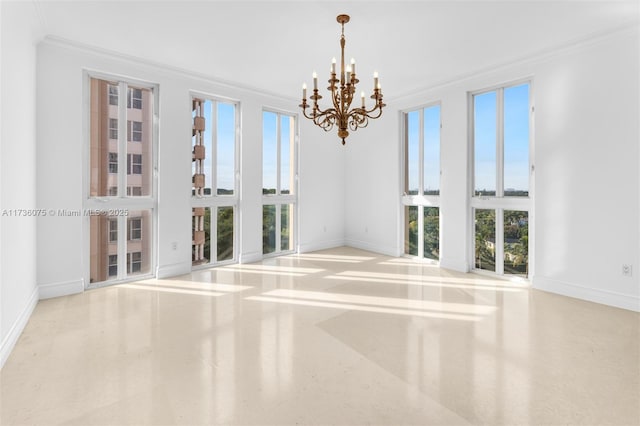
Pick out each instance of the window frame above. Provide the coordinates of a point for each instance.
(214, 201)
(120, 202)
(279, 199)
(499, 202)
(420, 200)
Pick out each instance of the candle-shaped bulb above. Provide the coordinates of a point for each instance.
(375, 80)
(348, 74)
(304, 90)
(315, 81)
(353, 65)
(333, 65)
(362, 96)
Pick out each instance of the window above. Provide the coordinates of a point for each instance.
(113, 128)
(134, 131)
(135, 229)
(134, 98)
(422, 182)
(121, 243)
(113, 95)
(501, 167)
(112, 270)
(214, 182)
(134, 191)
(113, 168)
(134, 262)
(278, 182)
(134, 164)
(113, 230)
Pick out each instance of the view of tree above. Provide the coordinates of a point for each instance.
(485, 240)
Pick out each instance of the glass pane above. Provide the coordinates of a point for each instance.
(485, 241)
(516, 242)
(269, 152)
(516, 141)
(413, 153)
(286, 227)
(287, 133)
(139, 141)
(226, 139)
(139, 242)
(411, 230)
(103, 252)
(200, 235)
(104, 138)
(484, 137)
(225, 233)
(432, 150)
(268, 229)
(432, 233)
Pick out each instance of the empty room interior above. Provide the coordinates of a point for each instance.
(319, 212)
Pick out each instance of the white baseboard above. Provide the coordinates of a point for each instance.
(47, 291)
(168, 271)
(250, 257)
(604, 297)
(459, 265)
(322, 245)
(365, 245)
(9, 342)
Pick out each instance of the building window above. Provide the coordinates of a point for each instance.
(278, 182)
(113, 230)
(117, 182)
(501, 166)
(113, 95)
(113, 128)
(134, 98)
(113, 167)
(134, 164)
(134, 131)
(134, 191)
(134, 262)
(421, 169)
(112, 270)
(135, 229)
(214, 166)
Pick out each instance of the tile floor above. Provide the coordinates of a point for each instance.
(341, 336)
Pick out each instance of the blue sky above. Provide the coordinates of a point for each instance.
(269, 149)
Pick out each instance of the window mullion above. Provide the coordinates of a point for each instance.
(213, 234)
(214, 148)
(420, 232)
(122, 140)
(499, 241)
(421, 155)
(278, 232)
(278, 156)
(122, 247)
(500, 143)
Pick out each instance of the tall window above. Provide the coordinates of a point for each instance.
(214, 184)
(278, 182)
(121, 224)
(422, 182)
(501, 163)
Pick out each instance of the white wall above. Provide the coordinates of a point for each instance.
(586, 204)
(62, 255)
(18, 289)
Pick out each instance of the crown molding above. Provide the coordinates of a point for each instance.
(536, 57)
(56, 41)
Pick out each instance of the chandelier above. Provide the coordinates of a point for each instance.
(343, 89)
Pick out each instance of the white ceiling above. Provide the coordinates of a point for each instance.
(275, 45)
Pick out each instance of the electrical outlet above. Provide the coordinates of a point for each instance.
(627, 270)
